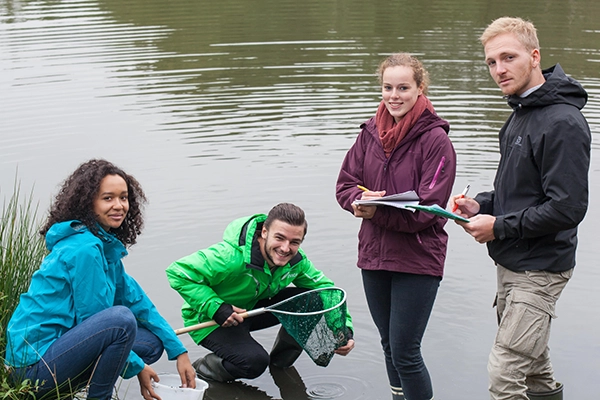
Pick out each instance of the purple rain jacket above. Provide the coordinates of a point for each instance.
(424, 161)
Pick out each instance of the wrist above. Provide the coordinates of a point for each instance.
(223, 312)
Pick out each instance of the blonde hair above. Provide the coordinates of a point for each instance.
(406, 60)
(524, 31)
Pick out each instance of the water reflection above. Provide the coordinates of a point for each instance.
(222, 109)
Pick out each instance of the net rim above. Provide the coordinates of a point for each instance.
(342, 301)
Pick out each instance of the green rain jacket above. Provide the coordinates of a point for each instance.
(234, 272)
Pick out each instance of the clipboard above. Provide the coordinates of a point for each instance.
(439, 211)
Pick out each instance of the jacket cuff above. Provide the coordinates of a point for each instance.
(499, 231)
(133, 366)
(486, 205)
(223, 312)
(349, 334)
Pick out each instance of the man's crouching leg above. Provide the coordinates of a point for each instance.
(285, 350)
(214, 368)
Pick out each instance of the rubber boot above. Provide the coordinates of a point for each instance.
(210, 368)
(555, 394)
(397, 393)
(285, 350)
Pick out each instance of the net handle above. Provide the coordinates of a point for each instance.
(207, 324)
(270, 308)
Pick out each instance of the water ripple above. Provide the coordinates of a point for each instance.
(337, 387)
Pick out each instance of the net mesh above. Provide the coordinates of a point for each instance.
(317, 321)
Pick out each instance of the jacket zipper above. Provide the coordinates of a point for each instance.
(440, 168)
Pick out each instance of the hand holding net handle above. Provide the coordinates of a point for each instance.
(206, 324)
(279, 308)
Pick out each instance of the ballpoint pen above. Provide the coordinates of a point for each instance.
(462, 196)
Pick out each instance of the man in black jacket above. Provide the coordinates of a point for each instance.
(529, 221)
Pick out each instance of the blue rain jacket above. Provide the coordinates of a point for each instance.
(82, 275)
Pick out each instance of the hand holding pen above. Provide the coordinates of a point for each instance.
(461, 196)
(368, 193)
(366, 211)
(480, 226)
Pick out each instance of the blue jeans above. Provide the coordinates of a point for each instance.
(400, 305)
(94, 352)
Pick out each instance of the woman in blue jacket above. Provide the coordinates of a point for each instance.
(84, 321)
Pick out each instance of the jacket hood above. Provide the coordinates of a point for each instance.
(62, 230)
(243, 233)
(558, 89)
(424, 124)
(427, 122)
(113, 248)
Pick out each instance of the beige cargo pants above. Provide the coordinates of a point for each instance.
(520, 359)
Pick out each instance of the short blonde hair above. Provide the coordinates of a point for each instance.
(420, 74)
(524, 31)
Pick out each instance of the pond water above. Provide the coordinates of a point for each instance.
(224, 109)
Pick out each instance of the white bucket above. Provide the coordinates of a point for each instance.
(168, 388)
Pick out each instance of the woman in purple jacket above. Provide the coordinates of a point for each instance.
(401, 254)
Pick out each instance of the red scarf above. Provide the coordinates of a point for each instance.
(392, 133)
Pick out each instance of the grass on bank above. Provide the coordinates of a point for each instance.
(21, 252)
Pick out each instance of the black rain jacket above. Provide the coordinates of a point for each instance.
(541, 187)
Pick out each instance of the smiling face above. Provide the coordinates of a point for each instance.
(399, 90)
(280, 243)
(511, 65)
(111, 203)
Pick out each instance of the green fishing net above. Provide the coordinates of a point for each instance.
(316, 320)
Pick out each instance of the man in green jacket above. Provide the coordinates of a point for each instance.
(252, 267)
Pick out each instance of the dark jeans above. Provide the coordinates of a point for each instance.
(400, 305)
(243, 356)
(94, 352)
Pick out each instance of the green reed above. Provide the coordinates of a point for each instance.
(21, 252)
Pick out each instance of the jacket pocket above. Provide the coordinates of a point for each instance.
(438, 171)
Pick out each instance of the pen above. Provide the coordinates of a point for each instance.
(362, 188)
(462, 195)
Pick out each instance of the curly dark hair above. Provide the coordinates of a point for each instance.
(75, 200)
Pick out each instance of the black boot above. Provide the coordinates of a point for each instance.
(285, 350)
(210, 368)
(555, 394)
